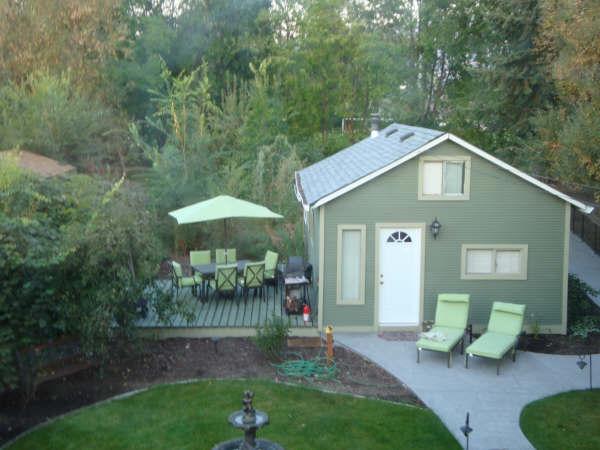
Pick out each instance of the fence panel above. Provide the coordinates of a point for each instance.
(587, 227)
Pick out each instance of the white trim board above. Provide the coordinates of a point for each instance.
(443, 138)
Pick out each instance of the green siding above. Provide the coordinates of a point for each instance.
(503, 209)
(313, 250)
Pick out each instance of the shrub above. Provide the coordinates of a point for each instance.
(271, 337)
(586, 326)
(580, 304)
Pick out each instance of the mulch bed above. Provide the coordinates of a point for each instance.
(559, 344)
(153, 362)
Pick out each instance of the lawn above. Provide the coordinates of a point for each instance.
(569, 420)
(194, 416)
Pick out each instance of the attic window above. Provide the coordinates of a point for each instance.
(389, 133)
(444, 178)
(405, 136)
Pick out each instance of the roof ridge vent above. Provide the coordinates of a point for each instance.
(392, 131)
(405, 136)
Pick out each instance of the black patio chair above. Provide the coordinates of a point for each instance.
(295, 266)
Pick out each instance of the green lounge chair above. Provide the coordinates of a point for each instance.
(254, 278)
(502, 335)
(225, 281)
(231, 255)
(179, 281)
(451, 315)
(220, 256)
(271, 278)
(199, 257)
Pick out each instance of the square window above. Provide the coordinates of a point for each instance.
(479, 261)
(444, 178)
(508, 261)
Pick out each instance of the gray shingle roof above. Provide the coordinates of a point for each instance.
(353, 163)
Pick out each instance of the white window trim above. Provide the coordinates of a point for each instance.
(467, 181)
(522, 248)
(363, 244)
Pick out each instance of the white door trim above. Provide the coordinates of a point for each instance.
(378, 227)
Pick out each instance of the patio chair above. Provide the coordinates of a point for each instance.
(502, 335)
(271, 278)
(225, 281)
(220, 257)
(199, 257)
(451, 315)
(295, 266)
(254, 278)
(231, 255)
(179, 281)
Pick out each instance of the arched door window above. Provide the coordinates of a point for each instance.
(399, 236)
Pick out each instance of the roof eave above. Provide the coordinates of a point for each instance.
(300, 192)
(582, 206)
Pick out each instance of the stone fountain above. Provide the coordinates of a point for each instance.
(249, 420)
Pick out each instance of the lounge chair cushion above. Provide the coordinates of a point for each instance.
(452, 336)
(492, 345)
(452, 310)
(506, 318)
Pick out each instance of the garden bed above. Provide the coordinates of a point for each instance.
(155, 362)
(559, 344)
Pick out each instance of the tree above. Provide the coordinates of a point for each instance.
(50, 115)
(76, 258)
(567, 134)
(60, 36)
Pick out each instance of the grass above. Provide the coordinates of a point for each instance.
(194, 416)
(565, 421)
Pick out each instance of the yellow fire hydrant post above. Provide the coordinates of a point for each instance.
(329, 335)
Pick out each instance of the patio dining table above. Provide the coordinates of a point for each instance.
(208, 272)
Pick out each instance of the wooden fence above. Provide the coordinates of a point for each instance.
(587, 227)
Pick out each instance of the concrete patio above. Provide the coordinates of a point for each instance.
(495, 402)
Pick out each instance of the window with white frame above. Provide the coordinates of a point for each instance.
(494, 262)
(351, 264)
(444, 178)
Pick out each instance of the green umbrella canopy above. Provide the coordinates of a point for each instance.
(221, 207)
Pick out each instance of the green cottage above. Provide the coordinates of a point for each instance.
(408, 213)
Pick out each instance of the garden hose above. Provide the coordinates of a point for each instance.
(309, 369)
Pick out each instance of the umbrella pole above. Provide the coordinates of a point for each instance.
(225, 234)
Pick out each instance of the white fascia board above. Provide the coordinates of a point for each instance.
(381, 171)
(305, 207)
(582, 206)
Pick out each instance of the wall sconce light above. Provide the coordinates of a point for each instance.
(435, 228)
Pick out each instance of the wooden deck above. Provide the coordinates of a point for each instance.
(229, 312)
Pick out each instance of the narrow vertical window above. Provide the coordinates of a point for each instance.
(351, 264)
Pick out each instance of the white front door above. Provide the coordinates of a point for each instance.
(399, 276)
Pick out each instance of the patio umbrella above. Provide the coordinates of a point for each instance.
(222, 207)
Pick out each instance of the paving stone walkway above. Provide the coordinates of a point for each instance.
(495, 402)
